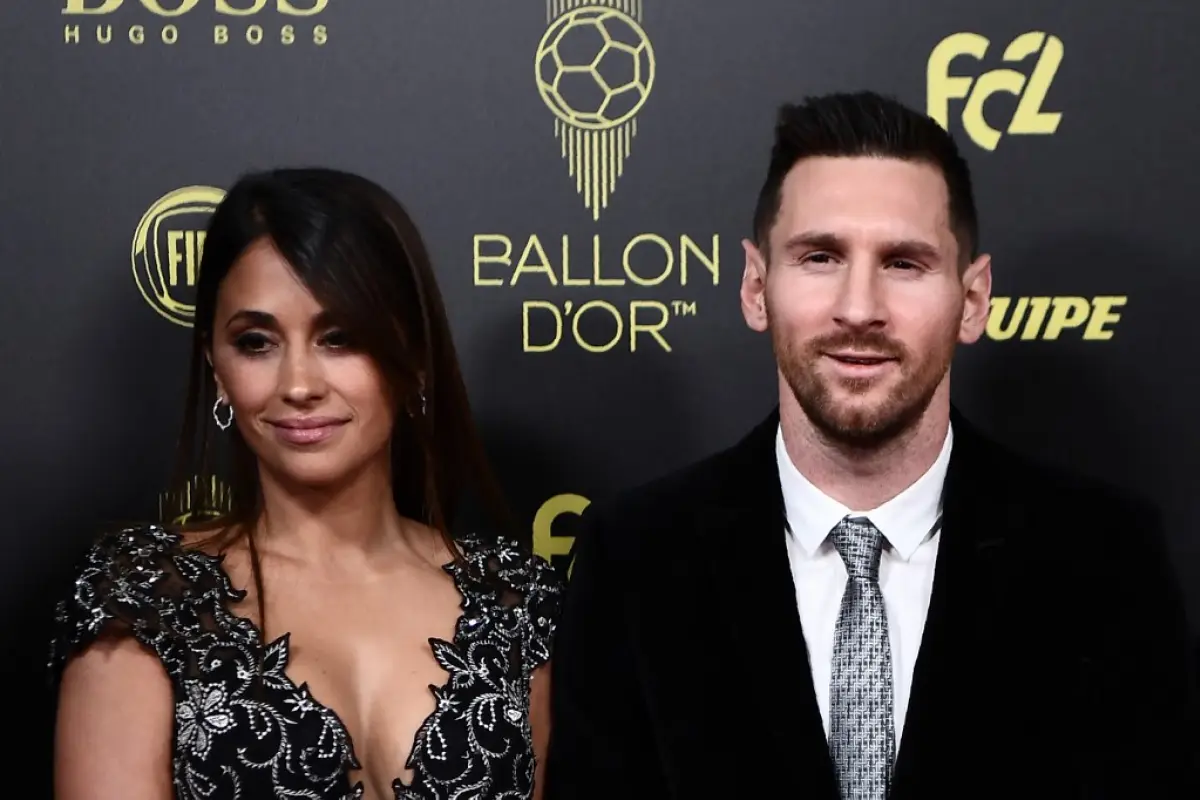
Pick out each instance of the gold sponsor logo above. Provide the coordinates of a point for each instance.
(203, 498)
(1029, 89)
(1091, 319)
(552, 546)
(167, 246)
(168, 22)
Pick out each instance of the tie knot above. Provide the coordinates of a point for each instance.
(860, 544)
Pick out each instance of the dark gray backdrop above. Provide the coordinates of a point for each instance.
(438, 101)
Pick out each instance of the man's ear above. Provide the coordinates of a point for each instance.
(977, 299)
(754, 288)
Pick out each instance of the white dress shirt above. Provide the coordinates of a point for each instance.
(909, 523)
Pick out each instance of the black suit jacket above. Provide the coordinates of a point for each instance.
(1055, 661)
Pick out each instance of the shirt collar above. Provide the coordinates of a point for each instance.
(906, 520)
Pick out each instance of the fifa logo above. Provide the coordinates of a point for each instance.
(167, 247)
(1030, 91)
(594, 70)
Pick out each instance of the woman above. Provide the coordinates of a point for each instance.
(329, 638)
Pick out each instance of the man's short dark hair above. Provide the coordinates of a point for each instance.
(866, 124)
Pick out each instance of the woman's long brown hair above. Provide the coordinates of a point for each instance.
(360, 254)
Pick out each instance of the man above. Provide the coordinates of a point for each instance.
(866, 597)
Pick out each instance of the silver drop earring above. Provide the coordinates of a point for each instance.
(222, 424)
(421, 394)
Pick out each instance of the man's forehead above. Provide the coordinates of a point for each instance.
(864, 196)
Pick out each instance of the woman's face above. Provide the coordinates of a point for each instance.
(312, 408)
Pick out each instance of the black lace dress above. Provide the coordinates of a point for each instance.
(245, 733)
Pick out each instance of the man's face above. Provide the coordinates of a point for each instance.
(862, 293)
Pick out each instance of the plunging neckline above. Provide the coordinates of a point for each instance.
(283, 643)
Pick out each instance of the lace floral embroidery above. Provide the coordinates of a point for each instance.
(242, 734)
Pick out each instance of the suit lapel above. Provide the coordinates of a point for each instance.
(962, 613)
(742, 539)
(746, 549)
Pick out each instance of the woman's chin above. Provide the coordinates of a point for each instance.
(313, 472)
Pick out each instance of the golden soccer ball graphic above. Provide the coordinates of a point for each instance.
(595, 67)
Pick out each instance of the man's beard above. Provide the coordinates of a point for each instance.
(862, 426)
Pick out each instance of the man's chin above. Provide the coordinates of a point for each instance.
(860, 432)
(860, 419)
(858, 396)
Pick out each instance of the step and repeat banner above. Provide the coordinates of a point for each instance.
(584, 172)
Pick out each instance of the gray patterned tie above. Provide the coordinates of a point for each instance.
(861, 737)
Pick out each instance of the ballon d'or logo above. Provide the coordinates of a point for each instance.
(167, 247)
(595, 69)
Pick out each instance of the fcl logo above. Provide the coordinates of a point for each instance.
(594, 70)
(1030, 90)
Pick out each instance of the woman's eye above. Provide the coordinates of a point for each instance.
(252, 342)
(338, 340)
